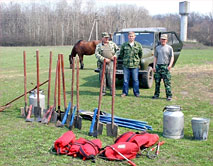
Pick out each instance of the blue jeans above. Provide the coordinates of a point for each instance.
(134, 73)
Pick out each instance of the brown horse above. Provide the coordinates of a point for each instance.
(82, 48)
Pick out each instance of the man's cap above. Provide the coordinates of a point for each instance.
(105, 34)
(163, 36)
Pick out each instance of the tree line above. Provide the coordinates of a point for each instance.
(65, 23)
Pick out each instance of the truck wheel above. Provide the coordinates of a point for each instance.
(147, 78)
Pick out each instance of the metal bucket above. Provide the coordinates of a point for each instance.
(200, 127)
(173, 122)
(33, 99)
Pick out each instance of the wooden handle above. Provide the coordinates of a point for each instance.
(25, 78)
(101, 88)
(37, 62)
(63, 81)
(50, 68)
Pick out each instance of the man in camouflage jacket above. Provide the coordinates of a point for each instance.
(163, 61)
(106, 50)
(131, 52)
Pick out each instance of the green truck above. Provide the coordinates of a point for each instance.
(149, 38)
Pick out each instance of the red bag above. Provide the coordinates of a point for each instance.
(128, 149)
(90, 149)
(61, 145)
(143, 139)
(74, 149)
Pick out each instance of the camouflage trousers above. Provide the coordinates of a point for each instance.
(162, 73)
(107, 77)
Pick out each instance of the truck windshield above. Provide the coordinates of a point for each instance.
(145, 38)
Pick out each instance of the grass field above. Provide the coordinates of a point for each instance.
(24, 143)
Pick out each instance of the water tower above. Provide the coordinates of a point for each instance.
(184, 12)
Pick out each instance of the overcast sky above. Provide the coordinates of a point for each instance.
(153, 6)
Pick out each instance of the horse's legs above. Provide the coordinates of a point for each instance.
(81, 61)
(70, 59)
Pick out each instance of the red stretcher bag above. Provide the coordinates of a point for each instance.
(143, 139)
(128, 149)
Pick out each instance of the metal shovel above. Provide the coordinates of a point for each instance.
(37, 109)
(52, 116)
(112, 129)
(28, 119)
(25, 109)
(59, 90)
(98, 125)
(67, 109)
(47, 111)
(78, 118)
(69, 123)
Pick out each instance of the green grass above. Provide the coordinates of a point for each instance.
(24, 143)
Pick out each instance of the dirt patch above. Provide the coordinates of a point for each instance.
(193, 45)
(196, 82)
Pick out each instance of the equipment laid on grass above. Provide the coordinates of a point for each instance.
(112, 128)
(122, 122)
(173, 122)
(154, 152)
(37, 109)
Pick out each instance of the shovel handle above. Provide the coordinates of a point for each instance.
(59, 84)
(73, 79)
(37, 62)
(56, 79)
(25, 79)
(50, 68)
(101, 88)
(77, 85)
(63, 81)
(113, 89)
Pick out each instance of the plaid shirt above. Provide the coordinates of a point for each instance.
(131, 55)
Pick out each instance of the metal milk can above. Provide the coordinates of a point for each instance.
(173, 122)
(33, 99)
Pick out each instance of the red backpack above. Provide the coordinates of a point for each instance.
(61, 145)
(128, 149)
(90, 149)
(75, 146)
(143, 139)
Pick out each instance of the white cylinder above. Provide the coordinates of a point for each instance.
(33, 99)
(173, 122)
(183, 27)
